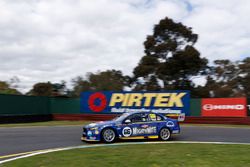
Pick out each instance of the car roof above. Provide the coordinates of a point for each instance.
(140, 112)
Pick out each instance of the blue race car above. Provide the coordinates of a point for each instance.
(132, 125)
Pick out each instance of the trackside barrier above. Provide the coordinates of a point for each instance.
(195, 107)
(15, 105)
(30, 108)
(65, 105)
(248, 106)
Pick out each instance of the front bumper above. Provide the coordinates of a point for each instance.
(90, 134)
(85, 139)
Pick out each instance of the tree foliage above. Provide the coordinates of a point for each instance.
(49, 89)
(112, 80)
(42, 89)
(244, 75)
(5, 88)
(227, 79)
(170, 58)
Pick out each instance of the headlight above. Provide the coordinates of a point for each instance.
(95, 129)
(89, 133)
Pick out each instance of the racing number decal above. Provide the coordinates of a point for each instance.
(127, 131)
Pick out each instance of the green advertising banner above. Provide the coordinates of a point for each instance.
(195, 107)
(11, 105)
(65, 105)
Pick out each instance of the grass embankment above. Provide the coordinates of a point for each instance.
(149, 155)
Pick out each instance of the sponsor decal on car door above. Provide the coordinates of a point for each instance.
(139, 126)
(139, 129)
(146, 129)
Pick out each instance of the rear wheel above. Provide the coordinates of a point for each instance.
(164, 134)
(108, 135)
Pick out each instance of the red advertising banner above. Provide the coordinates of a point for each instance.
(224, 107)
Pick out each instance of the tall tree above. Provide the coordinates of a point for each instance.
(42, 89)
(106, 80)
(170, 58)
(49, 89)
(79, 85)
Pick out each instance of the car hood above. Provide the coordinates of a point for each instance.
(100, 124)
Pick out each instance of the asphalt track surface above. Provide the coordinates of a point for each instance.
(25, 139)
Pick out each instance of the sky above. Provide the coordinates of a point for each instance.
(54, 40)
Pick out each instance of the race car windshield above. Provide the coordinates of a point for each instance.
(121, 117)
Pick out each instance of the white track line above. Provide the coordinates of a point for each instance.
(115, 144)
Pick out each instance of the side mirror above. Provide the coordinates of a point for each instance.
(127, 121)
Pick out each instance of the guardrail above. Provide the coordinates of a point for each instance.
(16, 108)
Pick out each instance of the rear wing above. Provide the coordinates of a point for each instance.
(179, 116)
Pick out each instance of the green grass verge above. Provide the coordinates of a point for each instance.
(149, 155)
(49, 123)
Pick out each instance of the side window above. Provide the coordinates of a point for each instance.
(152, 117)
(155, 117)
(144, 117)
(159, 118)
(135, 118)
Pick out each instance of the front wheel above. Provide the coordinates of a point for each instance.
(108, 135)
(164, 134)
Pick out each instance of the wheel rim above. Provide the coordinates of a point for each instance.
(109, 135)
(165, 134)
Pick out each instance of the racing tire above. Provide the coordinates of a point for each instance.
(164, 134)
(108, 135)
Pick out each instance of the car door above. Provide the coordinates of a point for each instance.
(129, 124)
(140, 125)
